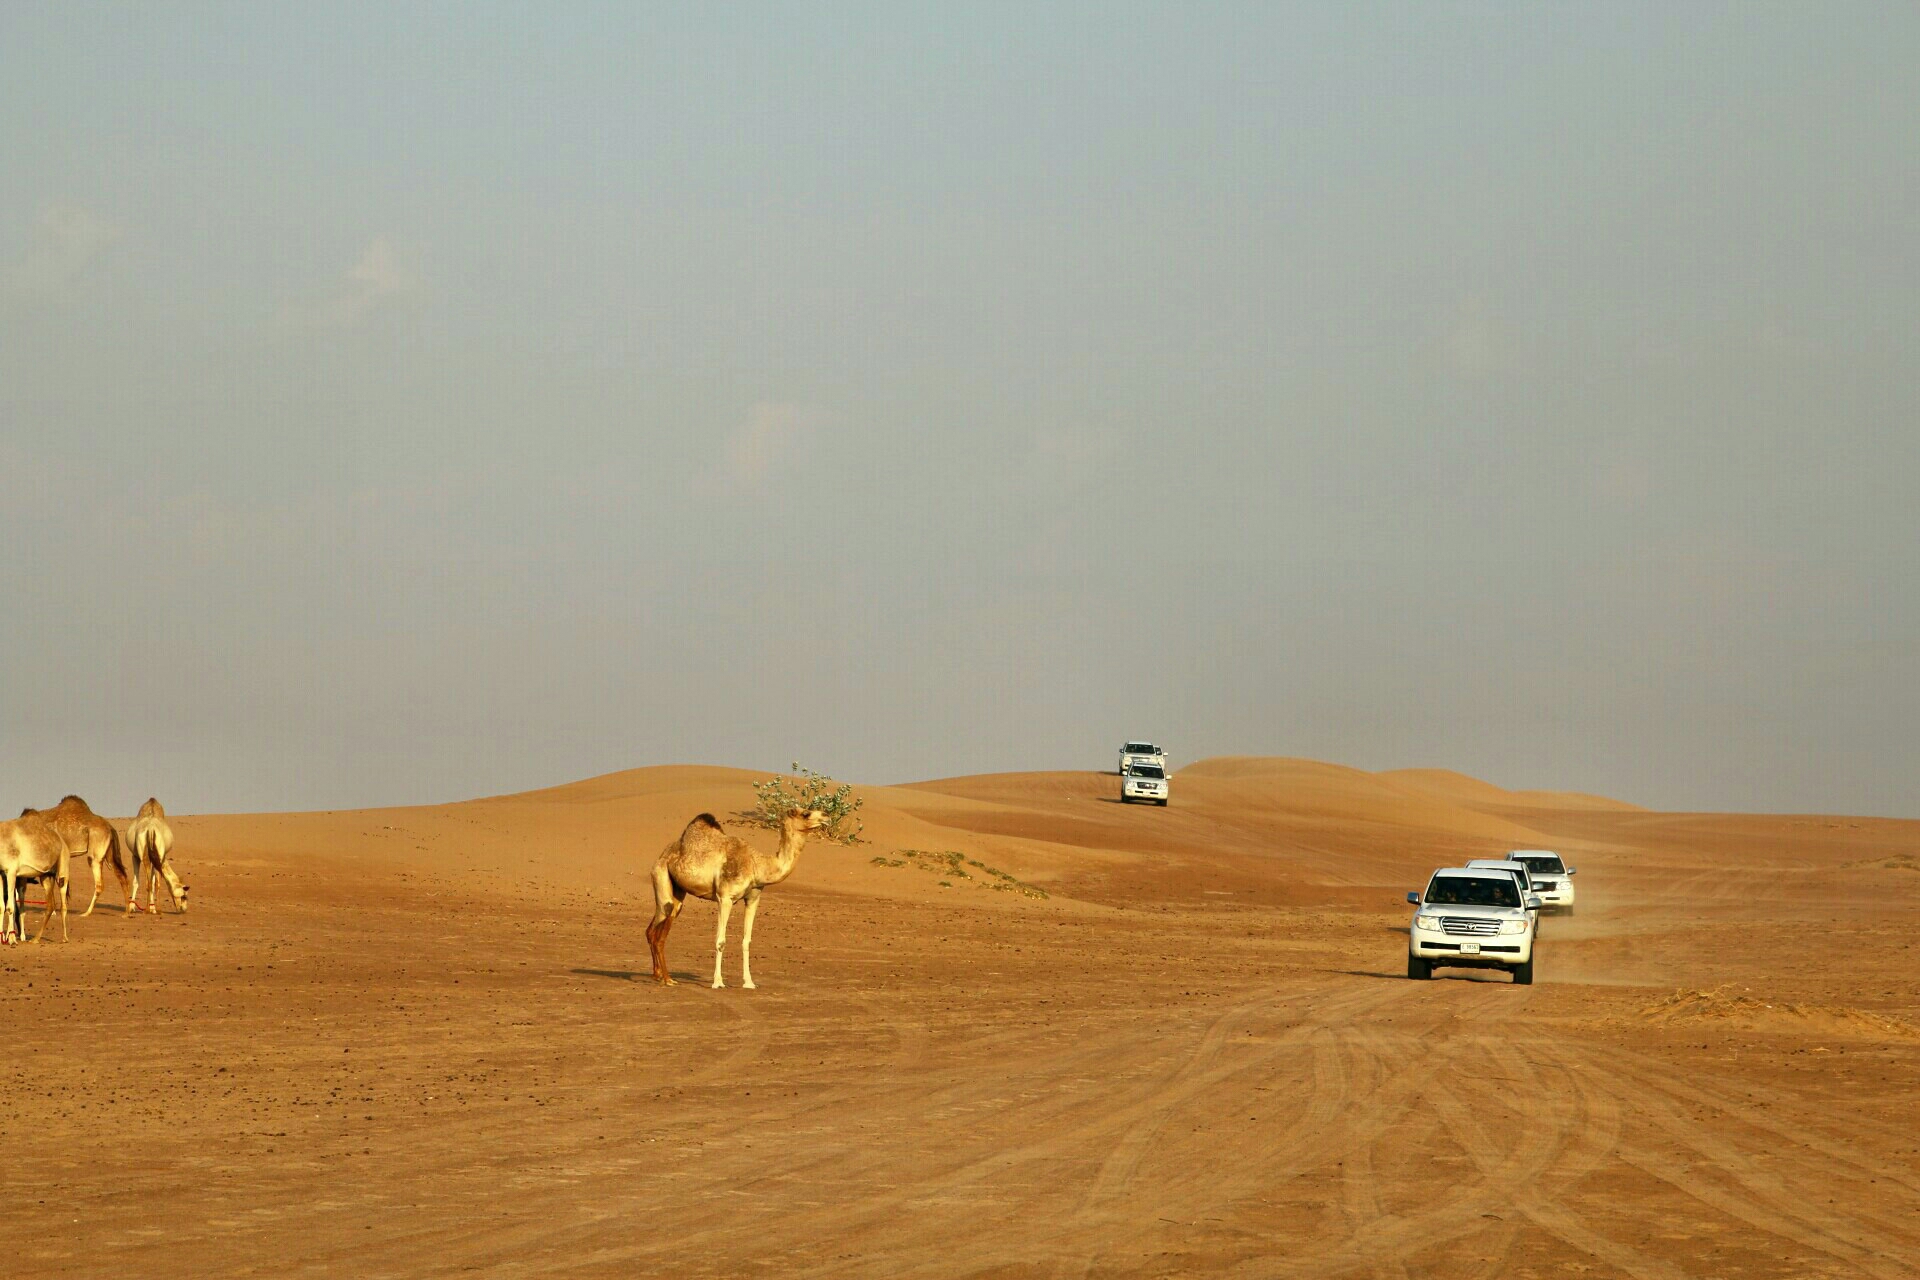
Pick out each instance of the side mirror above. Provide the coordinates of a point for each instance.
(1572, 871)
(1533, 902)
(1414, 898)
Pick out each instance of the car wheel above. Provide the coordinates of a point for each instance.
(1418, 969)
(1523, 974)
(1163, 804)
(1569, 908)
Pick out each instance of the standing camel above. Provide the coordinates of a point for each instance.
(30, 847)
(149, 841)
(86, 832)
(708, 863)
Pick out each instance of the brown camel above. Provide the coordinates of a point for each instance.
(30, 848)
(86, 832)
(708, 863)
(149, 841)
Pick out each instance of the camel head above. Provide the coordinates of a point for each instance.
(801, 821)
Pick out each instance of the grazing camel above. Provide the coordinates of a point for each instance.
(149, 841)
(87, 832)
(708, 863)
(31, 848)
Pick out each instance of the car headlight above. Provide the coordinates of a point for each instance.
(1427, 922)
(1513, 926)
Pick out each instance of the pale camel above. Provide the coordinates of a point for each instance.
(149, 841)
(708, 863)
(31, 849)
(86, 832)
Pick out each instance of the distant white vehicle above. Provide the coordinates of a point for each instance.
(1472, 919)
(1552, 878)
(1133, 753)
(1144, 782)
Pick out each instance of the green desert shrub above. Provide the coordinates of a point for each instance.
(805, 789)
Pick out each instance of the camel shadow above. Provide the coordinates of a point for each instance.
(637, 975)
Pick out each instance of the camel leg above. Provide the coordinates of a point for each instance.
(98, 871)
(666, 905)
(56, 884)
(657, 944)
(6, 909)
(746, 938)
(720, 937)
(129, 881)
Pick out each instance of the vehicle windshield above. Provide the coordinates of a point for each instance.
(1473, 891)
(1141, 749)
(1145, 771)
(1544, 864)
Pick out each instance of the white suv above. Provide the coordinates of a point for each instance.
(1472, 919)
(1133, 753)
(1144, 782)
(1552, 878)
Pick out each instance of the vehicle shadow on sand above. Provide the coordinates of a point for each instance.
(1453, 976)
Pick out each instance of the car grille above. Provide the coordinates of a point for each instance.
(1546, 886)
(1469, 924)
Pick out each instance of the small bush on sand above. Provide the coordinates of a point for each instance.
(806, 789)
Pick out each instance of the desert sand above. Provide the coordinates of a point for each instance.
(1023, 1031)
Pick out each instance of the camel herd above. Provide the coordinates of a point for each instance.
(38, 845)
(704, 862)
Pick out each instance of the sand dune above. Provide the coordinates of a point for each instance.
(1023, 1031)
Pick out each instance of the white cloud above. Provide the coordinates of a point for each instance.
(769, 438)
(65, 241)
(384, 276)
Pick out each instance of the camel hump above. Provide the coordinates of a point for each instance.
(70, 796)
(706, 820)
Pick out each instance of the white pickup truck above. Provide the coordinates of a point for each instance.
(1472, 919)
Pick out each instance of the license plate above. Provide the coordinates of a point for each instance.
(1470, 948)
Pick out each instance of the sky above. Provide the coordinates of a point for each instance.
(400, 404)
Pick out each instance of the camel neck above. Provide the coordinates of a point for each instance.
(789, 852)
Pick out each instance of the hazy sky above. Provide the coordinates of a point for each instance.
(402, 407)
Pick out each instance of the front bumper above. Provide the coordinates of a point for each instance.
(1471, 951)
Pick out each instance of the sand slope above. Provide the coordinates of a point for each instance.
(415, 1042)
